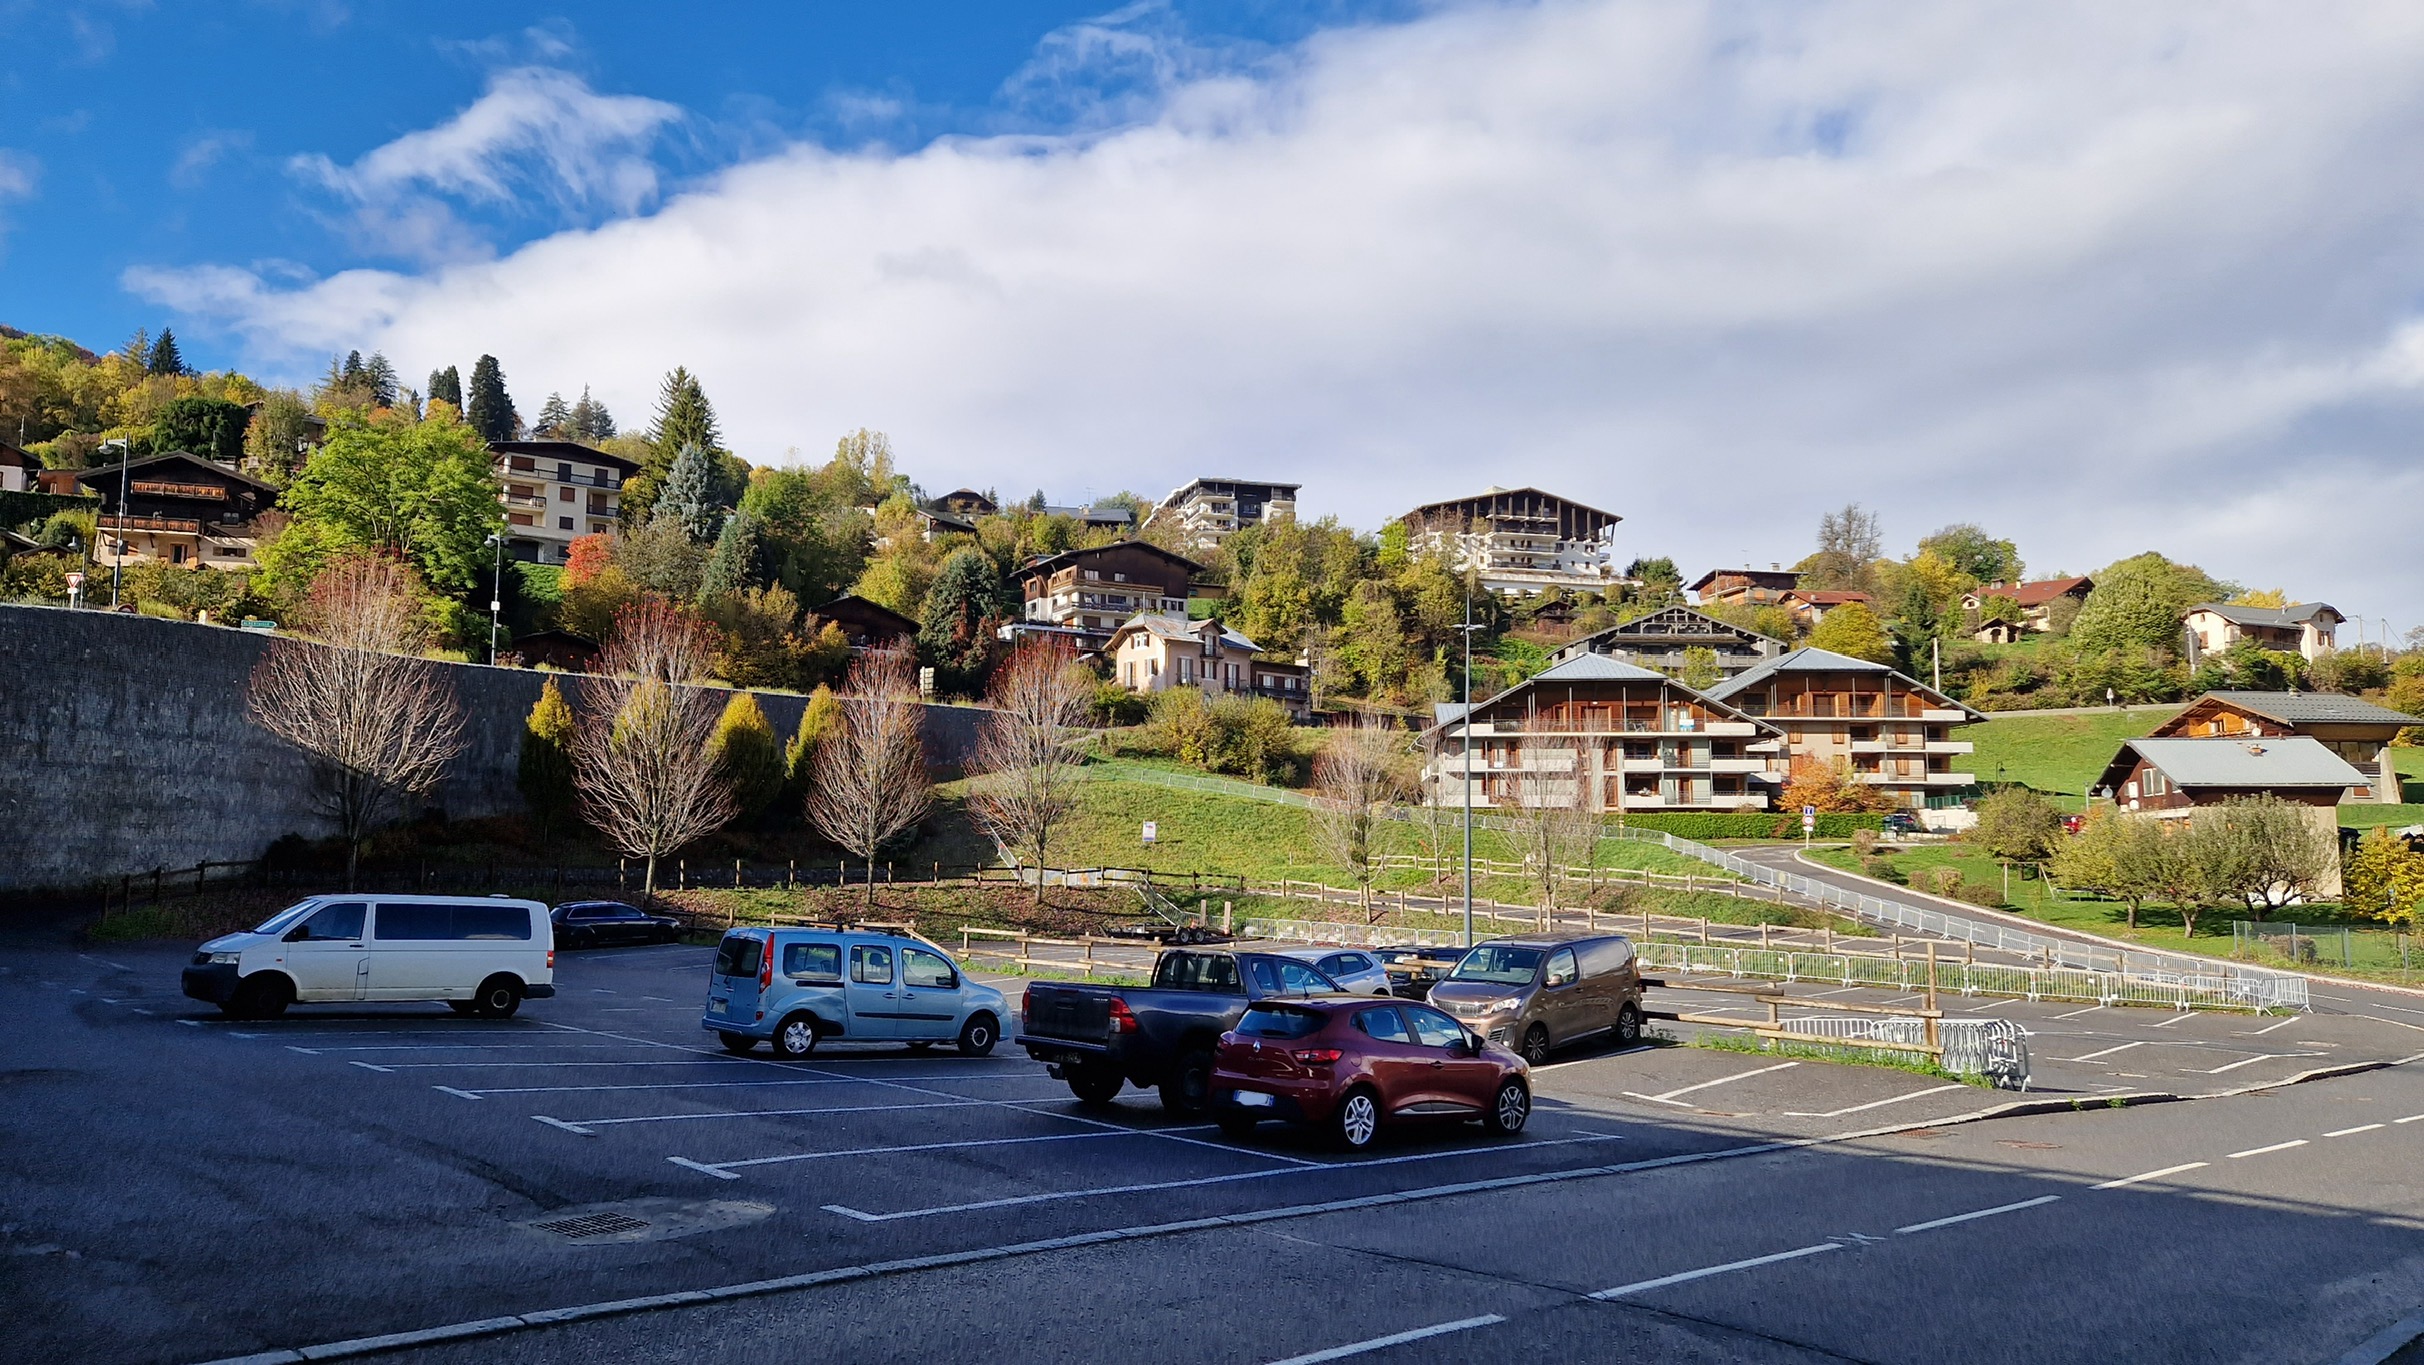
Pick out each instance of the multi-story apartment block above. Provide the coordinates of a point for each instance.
(1608, 735)
(1084, 595)
(1521, 540)
(1206, 511)
(179, 509)
(1894, 732)
(555, 492)
(1665, 639)
(1159, 651)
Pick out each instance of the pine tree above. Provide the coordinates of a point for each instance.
(490, 410)
(446, 385)
(738, 560)
(351, 376)
(748, 754)
(164, 357)
(546, 771)
(379, 380)
(956, 635)
(687, 497)
(822, 716)
(138, 346)
(684, 418)
(554, 418)
(589, 419)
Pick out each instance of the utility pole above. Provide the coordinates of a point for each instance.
(117, 559)
(496, 597)
(1467, 691)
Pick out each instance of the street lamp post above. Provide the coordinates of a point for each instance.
(1467, 718)
(117, 558)
(496, 597)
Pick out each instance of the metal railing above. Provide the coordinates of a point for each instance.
(1994, 1048)
(2227, 984)
(1959, 978)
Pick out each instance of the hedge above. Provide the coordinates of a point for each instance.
(16, 508)
(1707, 825)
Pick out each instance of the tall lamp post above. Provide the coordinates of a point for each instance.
(1467, 719)
(496, 597)
(117, 558)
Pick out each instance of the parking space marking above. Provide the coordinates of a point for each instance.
(583, 1126)
(2184, 1014)
(1356, 1348)
(2260, 1057)
(458, 1094)
(1874, 1104)
(656, 1085)
(1933, 1223)
(2076, 1013)
(2411, 1118)
(366, 1066)
(1669, 1096)
(2276, 1147)
(721, 1166)
(494, 1066)
(2351, 1132)
(2270, 1027)
(2144, 1176)
(1687, 1276)
(2105, 1053)
(1015, 1201)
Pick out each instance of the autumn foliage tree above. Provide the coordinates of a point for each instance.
(1029, 772)
(642, 762)
(545, 775)
(376, 724)
(1358, 774)
(871, 784)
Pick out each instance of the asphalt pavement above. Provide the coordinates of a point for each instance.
(183, 1188)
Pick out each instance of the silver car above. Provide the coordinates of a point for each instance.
(1354, 969)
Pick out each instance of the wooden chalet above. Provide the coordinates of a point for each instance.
(870, 625)
(2357, 730)
(179, 509)
(1086, 594)
(1744, 587)
(1662, 640)
(1521, 540)
(1894, 732)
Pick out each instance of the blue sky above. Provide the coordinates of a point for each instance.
(2103, 278)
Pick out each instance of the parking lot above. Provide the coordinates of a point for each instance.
(188, 1188)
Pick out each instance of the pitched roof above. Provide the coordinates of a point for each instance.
(1829, 597)
(1764, 577)
(1169, 626)
(2035, 594)
(2295, 761)
(2297, 614)
(2305, 708)
(865, 610)
(1809, 660)
(1597, 668)
(1666, 623)
(1049, 563)
(564, 450)
(100, 475)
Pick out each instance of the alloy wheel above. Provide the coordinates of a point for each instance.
(1357, 1121)
(1514, 1106)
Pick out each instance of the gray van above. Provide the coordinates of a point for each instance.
(1535, 992)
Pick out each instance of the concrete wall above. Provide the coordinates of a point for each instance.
(124, 747)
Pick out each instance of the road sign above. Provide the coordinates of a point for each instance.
(1152, 829)
(74, 581)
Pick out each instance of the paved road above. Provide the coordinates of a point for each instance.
(180, 1188)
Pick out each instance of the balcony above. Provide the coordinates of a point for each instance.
(526, 500)
(1917, 779)
(1738, 765)
(1944, 713)
(1730, 727)
(1950, 746)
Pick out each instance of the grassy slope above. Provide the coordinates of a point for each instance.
(2059, 755)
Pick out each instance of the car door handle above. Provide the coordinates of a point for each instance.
(1437, 1065)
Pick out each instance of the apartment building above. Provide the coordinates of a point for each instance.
(1206, 511)
(1159, 651)
(1609, 735)
(1521, 540)
(179, 509)
(1895, 732)
(1084, 595)
(556, 492)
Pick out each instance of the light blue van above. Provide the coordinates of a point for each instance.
(798, 987)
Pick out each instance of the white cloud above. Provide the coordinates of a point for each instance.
(203, 151)
(2102, 277)
(537, 136)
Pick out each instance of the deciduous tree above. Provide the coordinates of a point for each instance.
(1854, 631)
(545, 776)
(1359, 773)
(871, 782)
(641, 761)
(1029, 772)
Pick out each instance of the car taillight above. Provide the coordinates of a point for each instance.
(766, 965)
(551, 959)
(1317, 1056)
(1026, 1003)
(1123, 1020)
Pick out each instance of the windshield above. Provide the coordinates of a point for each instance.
(278, 922)
(1498, 965)
(1279, 1021)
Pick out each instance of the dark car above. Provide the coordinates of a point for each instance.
(1352, 1066)
(1903, 822)
(1098, 1038)
(601, 924)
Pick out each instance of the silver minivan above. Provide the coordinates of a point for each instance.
(482, 955)
(797, 987)
(1533, 993)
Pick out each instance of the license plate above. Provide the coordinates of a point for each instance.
(718, 1002)
(1255, 1099)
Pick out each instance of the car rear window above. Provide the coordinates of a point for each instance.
(739, 955)
(1279, 1021)
(811, 961)
(1196, 972)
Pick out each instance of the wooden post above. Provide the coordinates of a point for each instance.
(1932, 1040)
(1763, 933)
(682, 874)
(736, 873)
(1088, 947)
(1828, 929)
(1228, 917)
(792, 877)
(1704, 931)
(1969, 953)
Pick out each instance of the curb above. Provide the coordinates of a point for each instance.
(2386, 1343)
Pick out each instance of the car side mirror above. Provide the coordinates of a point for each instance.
(1467, 1046)
(301, 933)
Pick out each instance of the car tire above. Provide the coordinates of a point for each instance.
(1356, 1121)
(262, 996)
(1510, 1108)
(1237, 1127)
(795, 1038)
(1094, 1088)
(460, 1006)
(498, 997)
(978, 1035)
(1189, 1088)
(1628, 1025)
(922, 1046)
(738, 1044)
(1535, 1047)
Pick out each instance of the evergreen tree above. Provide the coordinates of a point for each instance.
(554, 418)
(164, 357)
(546, 771)
(352, 376)
(490, 410)
(379, 380)
(138, 347)
(820, 718)
(687, 498)
(212, 428)
(748, 755)
(446, 385)
(738, 561)
(956, 634)
(589, 420)
(684, 417)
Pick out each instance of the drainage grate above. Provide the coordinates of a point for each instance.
(593, 1225)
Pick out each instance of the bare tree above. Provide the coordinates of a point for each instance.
(871, 780)
(1029, 771)
(640, 758)
(1550, 819)
(377, 725)
(1360, 770)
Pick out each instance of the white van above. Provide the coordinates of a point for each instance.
(480, 954)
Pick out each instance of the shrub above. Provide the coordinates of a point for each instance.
(1116, 705)
(1707, 825)
(1882, 869)
(1864, 842)
(1975, 894)
(1946, 881)
(545, 776)
(748, 755)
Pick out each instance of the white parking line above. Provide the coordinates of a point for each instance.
(2276, 1147)
(2076, 1013)
(494, 1066)
(368, 1067)
(2411, 1118)
(2150, 1175)
(723, 1167)
(2270, 1027)
(658, 1085)
(2184, 1014)
(2105, 1053)
(2260, 1057)
(1934, 1223)
(1356, 1348)
(582, 1126)
(2351, 1132)
(1873, 1104)
(1683, 1277)
(1055, 1196)
(1669, 1096)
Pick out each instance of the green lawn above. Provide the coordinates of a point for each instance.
(2059, 755)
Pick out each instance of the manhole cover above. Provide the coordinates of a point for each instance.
(593, 1225)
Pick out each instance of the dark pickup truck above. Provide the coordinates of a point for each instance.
(1160, 1036)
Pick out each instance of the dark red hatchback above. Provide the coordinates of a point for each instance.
(1352, 1066)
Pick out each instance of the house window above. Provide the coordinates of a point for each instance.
(1094, 574)
(564, 473)
(176, 554)
(563, 523)
(522, 464)
(1119, 578)
(563, 495)
(1186, 669)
